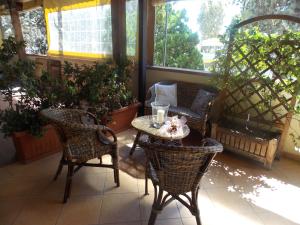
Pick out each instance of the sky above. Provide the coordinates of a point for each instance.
(193, 10)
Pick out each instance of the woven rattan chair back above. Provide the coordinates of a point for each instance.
(178, 170)
(72, 122)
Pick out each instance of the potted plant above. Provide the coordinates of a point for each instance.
(19, 87)
(103, 90)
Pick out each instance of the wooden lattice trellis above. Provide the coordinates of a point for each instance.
(263, 102)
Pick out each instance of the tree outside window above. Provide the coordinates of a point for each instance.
(187, 33)
(34, 31)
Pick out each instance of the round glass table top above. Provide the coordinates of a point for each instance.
(144, 124)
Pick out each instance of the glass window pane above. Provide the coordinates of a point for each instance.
(7, 27)
(81, 31)
(34, 31)
(131, 26)
(187, 32)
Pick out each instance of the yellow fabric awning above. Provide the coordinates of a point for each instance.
(63, 5)
(57, 8)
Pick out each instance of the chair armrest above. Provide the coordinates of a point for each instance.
(104, 139)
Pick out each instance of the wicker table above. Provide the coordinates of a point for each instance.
(143, 125)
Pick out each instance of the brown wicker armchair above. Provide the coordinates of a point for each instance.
(177, 170)
(186, 93)
(83, 139)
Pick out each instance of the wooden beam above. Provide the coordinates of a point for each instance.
(142, 52)
(27, 5)
(15, 20)
(151, 26)
(118, 19)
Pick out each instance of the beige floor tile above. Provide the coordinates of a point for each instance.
(39, 210)
(169, 212)
(141, 186)
(86, 170)
(126, 223)
(215, 178)
(56, 189)
(235, 191)
(274, 219)
(165, 222)
(285, 163)
(232, 217)
(10, 208)
(5, 175)
(128, 184)
(126, 137)
(118, 208)
(192, 221)
(282, 199)
(42, 168)
(20, 187)
(81, 211)
(227, 199)
(88, 184)
(205, 205)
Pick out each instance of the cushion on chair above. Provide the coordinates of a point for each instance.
(166, 94)
(185, 112)
(201, 101)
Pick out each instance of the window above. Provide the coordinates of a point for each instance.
(6, 26)
(80, 31)
(186, 33)
(34, 31)
(131, 26)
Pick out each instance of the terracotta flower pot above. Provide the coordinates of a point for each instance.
(121, 118)
(30, 148)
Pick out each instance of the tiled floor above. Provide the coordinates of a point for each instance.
(235, 191)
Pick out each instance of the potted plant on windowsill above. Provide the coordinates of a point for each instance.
(19, 87)
(103, 90)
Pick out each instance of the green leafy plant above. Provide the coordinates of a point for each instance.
(25, 93)
(103, 87)
(18, 87)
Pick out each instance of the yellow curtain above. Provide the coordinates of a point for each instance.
(58, 6)
(63, 5)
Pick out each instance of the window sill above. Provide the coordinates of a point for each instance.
(180, 70)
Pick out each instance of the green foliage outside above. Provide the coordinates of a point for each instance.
(131, 26)
(262, 50)
(178, 40)
(210, 19)
(34, 31)
(252, 8)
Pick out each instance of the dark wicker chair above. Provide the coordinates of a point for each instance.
(186, 93)
(83, 139)
(177, 170)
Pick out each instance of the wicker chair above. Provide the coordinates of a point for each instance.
(177, 170)
(186, 93)
(83, 139)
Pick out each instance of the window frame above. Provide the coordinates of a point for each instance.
(150, 54)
